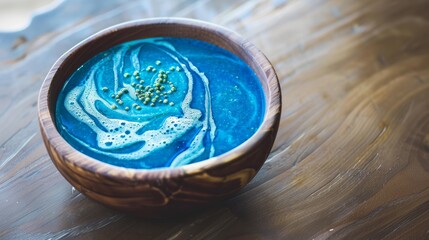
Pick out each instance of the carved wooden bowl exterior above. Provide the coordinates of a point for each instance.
(160, 192)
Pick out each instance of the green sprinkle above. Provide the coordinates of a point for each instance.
(160, 101)
(160, 75)
(158, 92)
(120, 102)
(168, 72)
(113, 95)
(172, 68)
(173, 89)
(113, 107)
(118, 96)
(149, 68)
(135, 105)
(178, 68)
(152, 104)
(141, 81)
(145, 103)
(127, 109)
(157, 85)
(162, 88)
(133, 84)
(161, 71)
(136, 73)
(147, 99)
(165, 101)
(154, 70)
(124, 90)
(137, 77)
(139, 108)
(126, 75)
(171, 103)
(158, 62)
(105, 89)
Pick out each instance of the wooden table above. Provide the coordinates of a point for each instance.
(351, 159)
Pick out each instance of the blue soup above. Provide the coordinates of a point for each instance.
(160, 102)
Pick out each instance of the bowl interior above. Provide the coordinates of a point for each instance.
(167, 27)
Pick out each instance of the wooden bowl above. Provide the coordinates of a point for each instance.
(160, 192)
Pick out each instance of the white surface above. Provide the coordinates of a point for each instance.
(16, 14)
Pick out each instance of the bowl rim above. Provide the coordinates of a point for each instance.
(78, 159)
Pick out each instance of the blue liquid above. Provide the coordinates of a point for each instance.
(211, 102)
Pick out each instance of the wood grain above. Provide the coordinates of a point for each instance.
(351, 157)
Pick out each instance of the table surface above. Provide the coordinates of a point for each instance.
(351, 159)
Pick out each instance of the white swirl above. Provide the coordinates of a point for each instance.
(115, 134)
